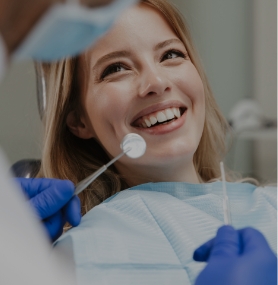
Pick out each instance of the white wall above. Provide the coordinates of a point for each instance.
(20, 132)
(265, 82)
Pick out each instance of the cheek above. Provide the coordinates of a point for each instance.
(108, 104)
(191, 85)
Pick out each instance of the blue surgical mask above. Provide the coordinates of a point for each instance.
(68, 29)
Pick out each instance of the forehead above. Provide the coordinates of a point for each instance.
(138, 27)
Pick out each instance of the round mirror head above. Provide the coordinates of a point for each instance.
(136, 145)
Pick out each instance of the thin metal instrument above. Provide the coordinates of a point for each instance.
(226, 206)
(133, 145)
(88, 180)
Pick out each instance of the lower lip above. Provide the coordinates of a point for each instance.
(167, 128)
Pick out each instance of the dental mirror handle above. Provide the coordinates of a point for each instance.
(88, 180)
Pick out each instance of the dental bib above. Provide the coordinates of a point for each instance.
(147, 234)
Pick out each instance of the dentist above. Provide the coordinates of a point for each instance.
(47, 30)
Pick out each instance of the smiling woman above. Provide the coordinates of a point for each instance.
(148, 81)
(143, 77)
(137, 80)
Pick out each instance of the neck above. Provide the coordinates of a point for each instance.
(136, 175)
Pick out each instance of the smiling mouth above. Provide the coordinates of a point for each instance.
(161, 117)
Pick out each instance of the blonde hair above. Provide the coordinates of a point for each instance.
(66, 156)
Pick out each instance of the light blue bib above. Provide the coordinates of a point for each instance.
(147, 234)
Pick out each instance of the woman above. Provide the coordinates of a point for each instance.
(64, 151)
(144, 77)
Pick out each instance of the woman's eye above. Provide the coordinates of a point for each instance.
(172, 54)
(113, 68)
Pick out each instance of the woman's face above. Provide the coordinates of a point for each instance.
(140, 79)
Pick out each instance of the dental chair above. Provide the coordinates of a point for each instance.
(29, 168)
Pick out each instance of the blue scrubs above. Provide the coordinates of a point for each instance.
(147, 234)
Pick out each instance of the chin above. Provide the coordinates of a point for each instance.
(170, 157)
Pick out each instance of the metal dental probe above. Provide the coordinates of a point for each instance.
(226, 206)
(132, 143)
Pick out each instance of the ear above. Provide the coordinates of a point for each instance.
(78, 126)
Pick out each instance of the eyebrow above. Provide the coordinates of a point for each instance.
(125, 53)
(112, 55)
(167, 43)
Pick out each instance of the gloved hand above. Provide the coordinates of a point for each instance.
(53, 202)
(237, 257)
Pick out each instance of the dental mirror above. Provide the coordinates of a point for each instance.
(135, 143)
(132, 145)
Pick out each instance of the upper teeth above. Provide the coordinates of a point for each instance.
(161, 116)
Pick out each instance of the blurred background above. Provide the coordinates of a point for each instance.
(237, 42)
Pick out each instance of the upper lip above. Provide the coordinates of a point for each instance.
(157, 107)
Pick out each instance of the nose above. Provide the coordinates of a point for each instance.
(153, 82)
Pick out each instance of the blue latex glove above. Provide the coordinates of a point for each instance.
(53, 202)
(237, 257)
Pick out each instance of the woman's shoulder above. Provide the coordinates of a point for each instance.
(254, 186)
